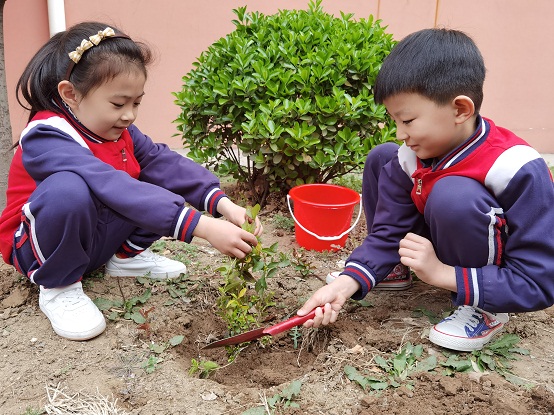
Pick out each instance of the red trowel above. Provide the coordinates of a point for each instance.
(262, 331)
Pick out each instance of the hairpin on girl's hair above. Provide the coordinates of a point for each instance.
(86, 44)
(93, 40)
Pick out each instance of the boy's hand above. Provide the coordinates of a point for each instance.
(226, 237)
(418, 253)
(329, 300)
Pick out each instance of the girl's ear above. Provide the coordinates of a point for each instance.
(68, 93)
(465, 108)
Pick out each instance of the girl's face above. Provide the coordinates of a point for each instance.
(429, 129)
(113, 106)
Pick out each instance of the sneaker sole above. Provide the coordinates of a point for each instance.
(462, 344)
(396, 286)
(154, 276)
(81, 336)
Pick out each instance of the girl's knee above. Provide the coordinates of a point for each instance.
(64, 192)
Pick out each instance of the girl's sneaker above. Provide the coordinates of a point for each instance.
(399, 279)
(71, 312)
(146, 264)
(467, 329)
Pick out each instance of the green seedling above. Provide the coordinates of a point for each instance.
(244, 299)
(204, 368)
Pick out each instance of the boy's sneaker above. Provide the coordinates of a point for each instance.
(147, 264)
(467, 329)
(399, 279)
(71, 312)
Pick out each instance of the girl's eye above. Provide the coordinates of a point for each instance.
(117, 105)
(407, 122)
(136, 104)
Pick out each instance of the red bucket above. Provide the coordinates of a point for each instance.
(322, 215)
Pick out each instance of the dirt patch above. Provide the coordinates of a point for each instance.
(115, 364)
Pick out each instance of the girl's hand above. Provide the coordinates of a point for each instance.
(418, 253)
(237, 214)
(226, 237)
(329, 300)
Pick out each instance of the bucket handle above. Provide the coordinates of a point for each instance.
(326, 238)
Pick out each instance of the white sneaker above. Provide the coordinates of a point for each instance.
(467, 329)
(146, 264)
(72, 314)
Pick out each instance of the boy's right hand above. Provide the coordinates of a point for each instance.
(329, 299)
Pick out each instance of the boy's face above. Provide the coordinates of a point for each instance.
(429, 129)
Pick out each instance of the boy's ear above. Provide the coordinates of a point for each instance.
(465, 108)
(68, 93)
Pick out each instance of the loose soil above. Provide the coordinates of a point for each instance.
(35, 361)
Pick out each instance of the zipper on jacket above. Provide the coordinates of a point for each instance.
(419, 186)
(124, 158)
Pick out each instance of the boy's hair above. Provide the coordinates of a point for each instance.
(38, 85)
(438, 64)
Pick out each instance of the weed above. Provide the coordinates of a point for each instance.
(300, 263)
(397, 369)
(127, 308)
(296, 335)
(433, 317)
(174, 249)
(352, 181)
(151, 364)
(494, 357)
(285, 399)
(32, 411)
(155, 358)
(204, 368)
(89, 279)
(283, 222)
(178, 288)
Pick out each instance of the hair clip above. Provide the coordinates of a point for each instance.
(86, 44)
(101, 35)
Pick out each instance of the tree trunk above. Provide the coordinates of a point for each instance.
(6, 140)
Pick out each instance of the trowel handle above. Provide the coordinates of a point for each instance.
(289, 324)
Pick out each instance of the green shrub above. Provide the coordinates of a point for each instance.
(286, 99)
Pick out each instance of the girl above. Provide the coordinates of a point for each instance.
(87, 187)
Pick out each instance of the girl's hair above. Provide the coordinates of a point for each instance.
(38, 85)
(439, 64)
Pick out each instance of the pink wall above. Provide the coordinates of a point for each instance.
(514, 37)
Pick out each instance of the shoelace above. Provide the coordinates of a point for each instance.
(465, 316)
(70, 298)
(147, 253)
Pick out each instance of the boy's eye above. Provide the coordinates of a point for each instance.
(407, 122)
(117, 105)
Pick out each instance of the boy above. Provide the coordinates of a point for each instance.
(467, 205)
